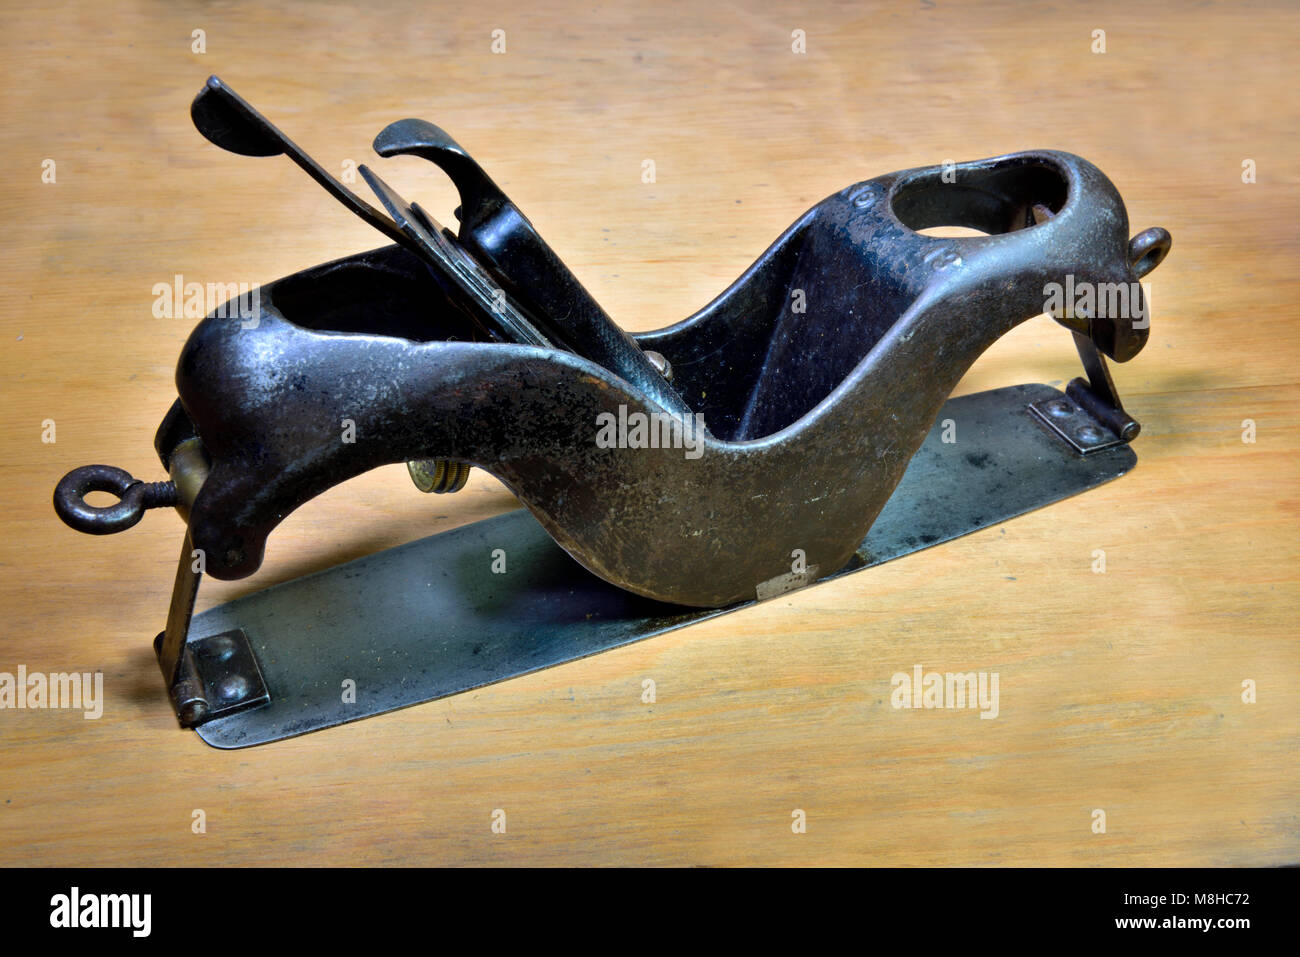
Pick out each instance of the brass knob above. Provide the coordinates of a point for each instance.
(438, 475)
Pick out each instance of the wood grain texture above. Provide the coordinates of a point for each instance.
(1119, 691)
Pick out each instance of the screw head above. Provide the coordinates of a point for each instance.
(661, 364)
(234, 688)
(1059, 408)
(1089, 434)
(220, 647)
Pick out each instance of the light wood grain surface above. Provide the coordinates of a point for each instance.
(1119, 691)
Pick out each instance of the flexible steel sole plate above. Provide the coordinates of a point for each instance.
(430, 618)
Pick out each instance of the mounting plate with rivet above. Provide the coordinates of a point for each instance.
(1072, 423)
(220, 676)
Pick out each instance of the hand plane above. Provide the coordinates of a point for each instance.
(797, 428)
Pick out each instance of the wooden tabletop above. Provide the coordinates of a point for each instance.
(1120, 691)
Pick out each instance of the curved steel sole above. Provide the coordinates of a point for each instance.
(431, 618)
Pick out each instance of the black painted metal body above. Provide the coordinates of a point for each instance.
(811, 416)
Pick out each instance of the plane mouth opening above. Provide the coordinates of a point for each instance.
(389, 292)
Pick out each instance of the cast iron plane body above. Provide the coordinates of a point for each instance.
(784, 434)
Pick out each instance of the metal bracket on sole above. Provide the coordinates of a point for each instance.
(1090, 416)
(219, 676)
